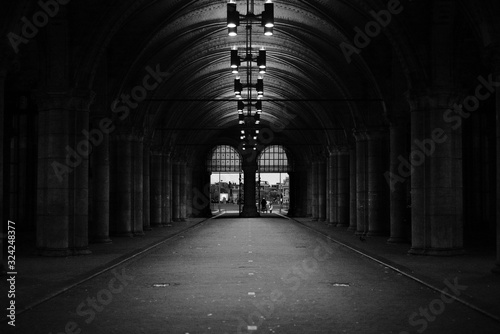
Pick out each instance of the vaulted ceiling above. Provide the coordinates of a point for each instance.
(313, 95)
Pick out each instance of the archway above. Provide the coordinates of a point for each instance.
(275, 163)
(226, 192)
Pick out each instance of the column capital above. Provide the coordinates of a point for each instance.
(433, 98)
(66, 100)
(376, 133)
(359, 134)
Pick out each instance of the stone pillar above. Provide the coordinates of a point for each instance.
(167, 190)
(100, 189)
(146, 204)
(361, 183)
(183, 186)
(176, 191)
(3, 213)
(138, 183)
(309, 189)
(343, 188)
(123, 220)
(63, 171)
(315, 190)
(332, 187)
(156, 186)
(400, 226)
(249, 207)
(188, 191)
(378, 196)
(496, 268)
(352, 189)
(436, 181)
(322, 190)
(200, 188)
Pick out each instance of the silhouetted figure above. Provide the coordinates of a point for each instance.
(263, 204)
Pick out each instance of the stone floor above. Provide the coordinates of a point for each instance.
(254, 275)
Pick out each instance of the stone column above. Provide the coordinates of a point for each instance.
(400, 226)
(249, 207)
(146, 204)
(322, 190)
(176, 191)
(315, 190)
(63, 171)
(496, 268)
(100, 188)
(156, 186)
(310, 189)
(343, 188)
(3, 213)
(378, 196)
(167, 185)
(352, 189)
(123, 219)
(183, 186)
(138, 182)
(436, 181)
(361, 183)
(332, 187)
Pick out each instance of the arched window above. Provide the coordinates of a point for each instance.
(274, 159)
(224, 158)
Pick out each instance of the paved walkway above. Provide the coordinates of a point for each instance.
(261, 275)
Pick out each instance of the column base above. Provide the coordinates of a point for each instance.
(53, 252)
(341, 225)
(315, 219)
(83, 251)
(436, 251)
(167, 225)
(376, 233)
(249, 213)
(147, 228)
(139, 234)
(123, 235)
(103, 240)
(351, 228)
(397, 240)
(179, 220)
(62, 252)
(157, 225)
(359, 232)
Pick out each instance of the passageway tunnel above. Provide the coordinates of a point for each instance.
(109, 111)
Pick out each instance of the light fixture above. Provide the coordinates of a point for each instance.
(258, 106)
(235, 59)
(246, 118)
(241, 106)
(238, 87)
(268, 15)
(260, 87)
(233, 16)
(234, 32)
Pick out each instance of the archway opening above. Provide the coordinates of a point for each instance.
(226, 190)
(273, 179)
